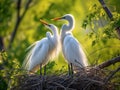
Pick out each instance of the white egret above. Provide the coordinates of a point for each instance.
(71, 48)
(43, 50)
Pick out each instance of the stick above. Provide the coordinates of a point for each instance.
(111, 75)
(108, 63)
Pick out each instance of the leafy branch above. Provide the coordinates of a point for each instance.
(109, 15)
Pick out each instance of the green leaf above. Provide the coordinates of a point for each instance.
(93, 43)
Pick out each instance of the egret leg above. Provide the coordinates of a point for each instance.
(69, 69)
(41, 69)
(44, 77)
(44, 70)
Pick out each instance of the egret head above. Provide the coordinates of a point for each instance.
(50, 26)
(69, 18)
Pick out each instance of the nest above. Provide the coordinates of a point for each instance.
(81, 80)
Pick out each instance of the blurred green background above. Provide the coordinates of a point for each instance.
(93, 29)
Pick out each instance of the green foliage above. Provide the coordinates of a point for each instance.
(10, 69)
(5, 15)
(113, 5)
(102, 32)
(100, 26)
(50, 66)
(100, 41)
(3, 84)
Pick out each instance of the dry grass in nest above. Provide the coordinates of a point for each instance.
(82, 80)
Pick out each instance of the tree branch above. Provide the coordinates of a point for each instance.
(18, 8)
(18, 20)
(109, 15)
(1, 43)
(26, 8)
(106, 9)
(108, 63)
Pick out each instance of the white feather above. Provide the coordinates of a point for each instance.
(42, 51)
(73, 52)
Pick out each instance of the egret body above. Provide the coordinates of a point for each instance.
(71, 48)
(43, 50)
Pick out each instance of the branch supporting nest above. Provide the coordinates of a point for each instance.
(108, 63)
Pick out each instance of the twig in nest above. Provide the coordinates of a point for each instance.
(111, 75)
(92, 82)
(73, 81)
(57, 84)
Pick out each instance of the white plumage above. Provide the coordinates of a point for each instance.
(73, 52)
(71, 48)
(42, 51)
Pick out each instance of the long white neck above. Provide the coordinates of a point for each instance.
(67, 27)
(55, 44)
(55, 32)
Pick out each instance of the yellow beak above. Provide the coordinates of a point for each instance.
(55, 19)
(44, 22)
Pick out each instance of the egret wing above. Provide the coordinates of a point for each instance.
(73, 51)
(38, 55)
(29, 53)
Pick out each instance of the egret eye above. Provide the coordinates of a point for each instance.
(63, 17)
(49, 25)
